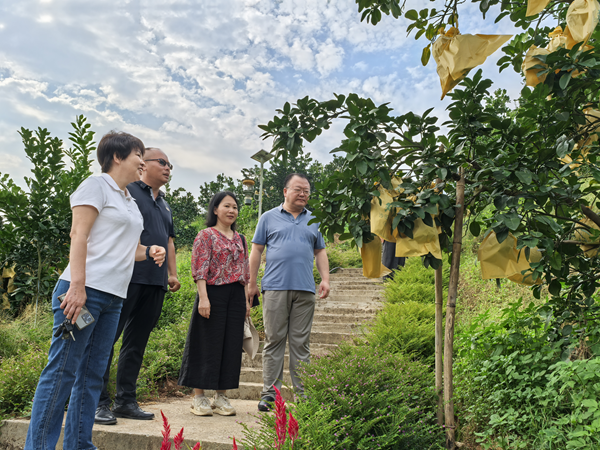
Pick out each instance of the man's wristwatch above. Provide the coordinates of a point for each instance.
(147, 253)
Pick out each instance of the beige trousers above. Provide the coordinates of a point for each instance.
(287, 315)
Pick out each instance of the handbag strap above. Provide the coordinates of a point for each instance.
(244, 243)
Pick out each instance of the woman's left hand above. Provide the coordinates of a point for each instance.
(158, 253)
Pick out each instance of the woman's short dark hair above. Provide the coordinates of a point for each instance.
(117, 143)
(211, 217)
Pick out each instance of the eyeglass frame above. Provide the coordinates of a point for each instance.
(299, 191)
(162, 162)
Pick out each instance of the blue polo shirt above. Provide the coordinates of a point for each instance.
(291, 245)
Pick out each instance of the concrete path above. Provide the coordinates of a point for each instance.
(353, 301)
(214, 433)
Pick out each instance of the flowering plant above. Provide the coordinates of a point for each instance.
(284, 429)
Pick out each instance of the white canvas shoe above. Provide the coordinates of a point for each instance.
(201, 406)
(222, 406)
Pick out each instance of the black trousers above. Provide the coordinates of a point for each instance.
(389, 258)
(140, 313)
(212, 358)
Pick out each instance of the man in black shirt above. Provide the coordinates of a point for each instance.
(146, 292)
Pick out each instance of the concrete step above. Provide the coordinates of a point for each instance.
(344, 328)
(251, 391)
(348, 308)
(214, 432)
(336, 285)
(336, 299)
(357, 271)
(254, 375)
(315, 349)
(354, 317)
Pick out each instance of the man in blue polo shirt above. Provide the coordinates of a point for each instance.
(146, 291)
(288, 284)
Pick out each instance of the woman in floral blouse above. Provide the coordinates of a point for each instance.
(212, 357)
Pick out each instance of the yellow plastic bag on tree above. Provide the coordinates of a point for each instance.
(531, 75)
(536, 6)
(503, 260)
(457, 54)
(582, 18)
(592, 118)
(425, 240)
(581, 234)
(371, 258)
(381, 216)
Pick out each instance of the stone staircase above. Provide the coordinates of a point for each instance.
(353, 301)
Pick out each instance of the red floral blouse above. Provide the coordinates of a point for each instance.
(219, 260)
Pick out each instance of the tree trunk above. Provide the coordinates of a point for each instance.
(450, 312)
(439, 345)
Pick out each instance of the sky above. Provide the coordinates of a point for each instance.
(196, 77)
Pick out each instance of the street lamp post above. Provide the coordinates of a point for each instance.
(262, 157)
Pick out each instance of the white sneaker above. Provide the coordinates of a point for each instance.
(222, 406)
(201, 406)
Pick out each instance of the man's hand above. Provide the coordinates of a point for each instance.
(174, 284)
(204, 307)
(324, 289)
(252, 291)
(73, 302)
(158, 254)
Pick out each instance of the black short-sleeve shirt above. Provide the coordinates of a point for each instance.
(158, 227)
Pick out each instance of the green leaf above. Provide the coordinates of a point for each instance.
(426, 55)
(567, 330)
(412, 14)
(362, 167)
(511, 220)
(564, 80)
(524, 176)
(475, 228)
(562, 116)
(554, 287)
(556, 260)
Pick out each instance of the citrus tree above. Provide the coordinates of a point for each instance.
(531, 172)
(34, 233)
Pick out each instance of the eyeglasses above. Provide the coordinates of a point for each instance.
(162, 162)
(299, 191)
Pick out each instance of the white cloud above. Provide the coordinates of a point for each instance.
(196, 77)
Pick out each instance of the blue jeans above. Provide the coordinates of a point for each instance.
(74, 369)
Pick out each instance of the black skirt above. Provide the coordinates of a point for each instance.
(212, 358)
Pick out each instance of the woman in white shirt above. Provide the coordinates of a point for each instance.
(105, 234)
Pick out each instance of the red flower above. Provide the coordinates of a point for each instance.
(166, 443)
(234, 445)
(293, 429)
(197, 447)
(280, 419)
(178, 440)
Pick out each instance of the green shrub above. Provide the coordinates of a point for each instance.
(19, 376)
(514, 391)
(414, 283)
(162, 359)
(343, 255)
(178, 305)
(18, 335)
(407, 328)
(257, 317)
(361, 398)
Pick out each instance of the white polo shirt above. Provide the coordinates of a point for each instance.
(113, 238)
